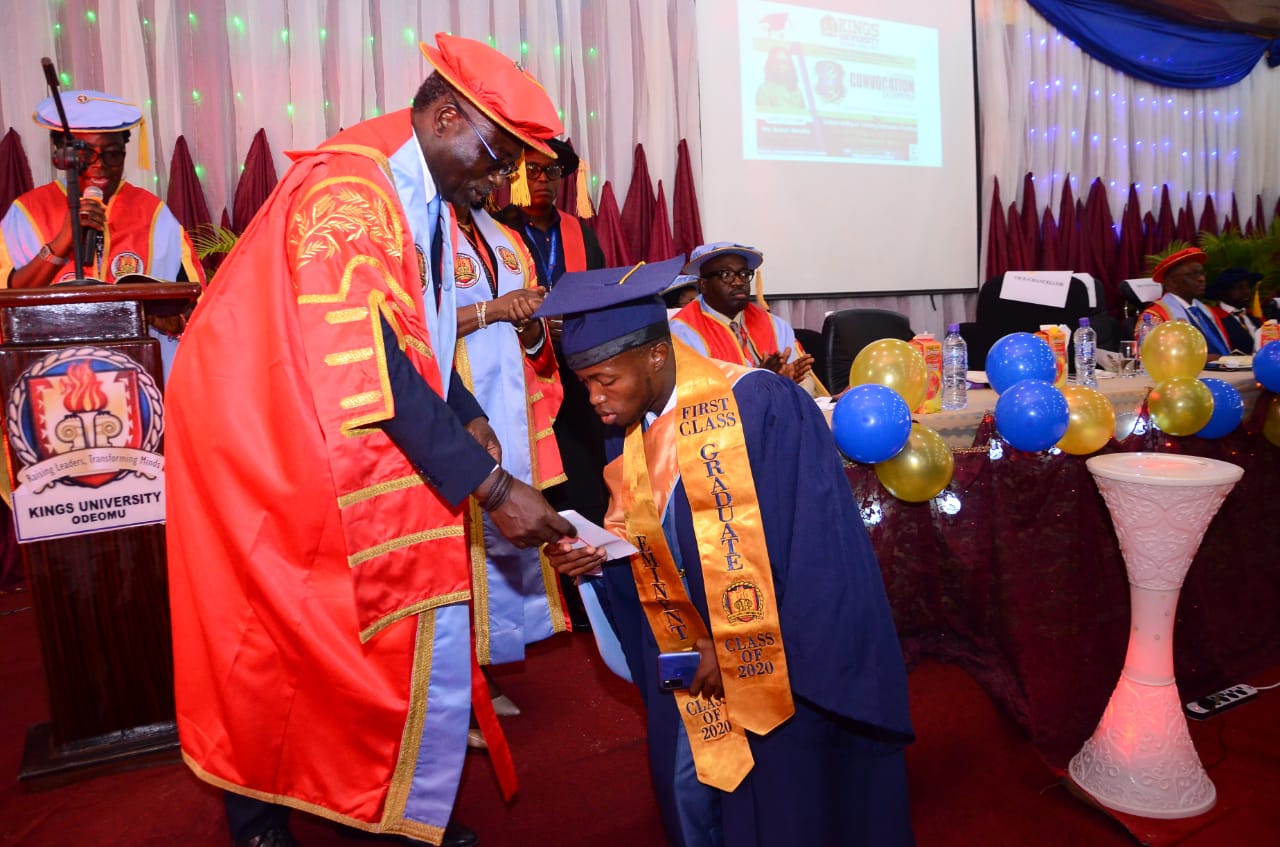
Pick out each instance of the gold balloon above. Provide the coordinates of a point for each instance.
(895, 363)
(921, 470)
(1174, 349)
(1271, 423)
(1092, 421)
(1181, 406)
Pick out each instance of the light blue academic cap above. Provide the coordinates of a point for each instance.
(89, 111)
(92, 112)
(704, 253)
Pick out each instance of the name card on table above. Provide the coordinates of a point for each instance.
(1044, 288)
(1147, 289)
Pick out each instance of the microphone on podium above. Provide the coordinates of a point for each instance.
(50, 73)
(92, 238)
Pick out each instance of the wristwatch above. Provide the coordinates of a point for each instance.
(46, 255)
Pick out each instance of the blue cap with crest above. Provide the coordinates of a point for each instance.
(610, 311)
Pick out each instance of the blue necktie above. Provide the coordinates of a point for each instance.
(437, 245)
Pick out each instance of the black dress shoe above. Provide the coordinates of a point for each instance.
(457, 835)
(277, 836)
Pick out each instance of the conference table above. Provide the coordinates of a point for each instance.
(1014, 572)
(1126, 394)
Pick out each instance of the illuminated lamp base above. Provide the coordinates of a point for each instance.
(1140, 759)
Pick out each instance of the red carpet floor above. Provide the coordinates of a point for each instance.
(579, 750)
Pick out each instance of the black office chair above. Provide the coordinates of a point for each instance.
(976, 343)
(811, 341)
(846, 332)
(998, 317)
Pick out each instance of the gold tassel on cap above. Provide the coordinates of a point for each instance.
(520, 186)
(759, 280)
(144, 150)
(584, 209)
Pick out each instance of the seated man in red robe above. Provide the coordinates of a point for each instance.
(724, 324)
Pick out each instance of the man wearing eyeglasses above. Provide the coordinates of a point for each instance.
(560, 242)
(724, 324)
(127, 229)
(320, 452)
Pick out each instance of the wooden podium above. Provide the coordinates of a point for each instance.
(101, 598)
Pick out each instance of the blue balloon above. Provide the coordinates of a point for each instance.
(1019, 356)
(1032, 415)
(1266, 366)
(871, 423)
(1228, 409)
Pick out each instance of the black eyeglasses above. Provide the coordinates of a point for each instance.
(112, 157)
(726, 275)
(551, 172)
(505, 171)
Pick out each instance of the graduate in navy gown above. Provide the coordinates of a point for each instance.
(829, 770)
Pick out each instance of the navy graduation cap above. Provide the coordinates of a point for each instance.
(610, 311)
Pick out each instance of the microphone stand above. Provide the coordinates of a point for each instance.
(67, 158)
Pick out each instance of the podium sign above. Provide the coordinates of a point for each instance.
(85, 423)
(81, 380)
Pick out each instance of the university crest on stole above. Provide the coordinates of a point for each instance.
(126, 263)
(464, 271)
(508, 258)
(743, 602)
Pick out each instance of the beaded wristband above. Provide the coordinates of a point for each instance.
(499, 492)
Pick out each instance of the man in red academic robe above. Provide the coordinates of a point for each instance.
(320, 450)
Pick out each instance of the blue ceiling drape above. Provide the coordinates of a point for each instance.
(1157, 49)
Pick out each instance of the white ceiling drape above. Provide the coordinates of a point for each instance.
(622, 71)
(1049, 109)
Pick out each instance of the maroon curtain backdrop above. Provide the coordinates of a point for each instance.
(1049, 258)
(256, 181)
(186, 197)
(608, 226)
(1030, 222)
(1084, 237)
(686, 218)
(1017, 248)
(15, 170)
(1129, 250)
(997, 237)
(1165, 223)
(1068, 228)
(1233, 219)
(1150, 240)
(637, 209)
(1186, 229)
(661, 245)
(1209, 217)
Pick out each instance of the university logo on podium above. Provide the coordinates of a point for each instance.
(85, 425)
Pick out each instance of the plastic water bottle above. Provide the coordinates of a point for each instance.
(1144, 329)
(1086, 344)
(955, 370)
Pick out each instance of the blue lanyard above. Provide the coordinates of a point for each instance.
(548, 263)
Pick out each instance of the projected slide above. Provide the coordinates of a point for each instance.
(818, 85)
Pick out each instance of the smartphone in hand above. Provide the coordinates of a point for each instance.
(676, 670)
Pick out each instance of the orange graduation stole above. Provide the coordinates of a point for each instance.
(721, 341)
(711, 453)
